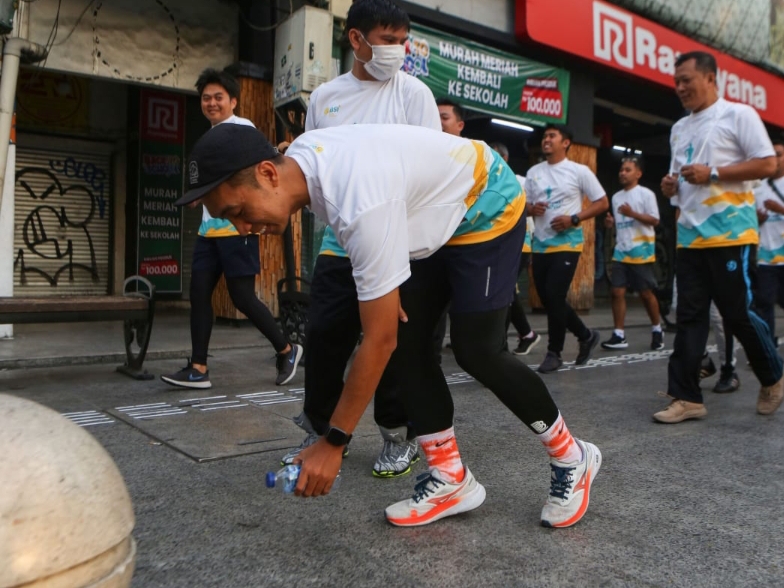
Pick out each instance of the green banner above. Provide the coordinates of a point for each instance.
(487, 80)
(161, 153)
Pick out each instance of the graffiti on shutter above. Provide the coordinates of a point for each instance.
(62, 223)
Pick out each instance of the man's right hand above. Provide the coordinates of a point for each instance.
(609, 221)
(669, 185)
(539, 209)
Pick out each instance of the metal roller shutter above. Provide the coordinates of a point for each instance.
(62, 222)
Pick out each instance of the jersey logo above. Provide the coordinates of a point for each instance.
(331, 111)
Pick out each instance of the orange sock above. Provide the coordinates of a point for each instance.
(560, 444)
(442, 454)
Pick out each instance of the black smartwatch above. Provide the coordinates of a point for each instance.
(337, 437)
(575, 220)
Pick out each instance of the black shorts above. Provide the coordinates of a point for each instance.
(637, 276)
(236, 257)
(480, 277)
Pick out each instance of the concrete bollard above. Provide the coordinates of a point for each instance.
(65, 513)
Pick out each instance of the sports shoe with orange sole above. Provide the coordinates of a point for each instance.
(570, 488)
(435, 499)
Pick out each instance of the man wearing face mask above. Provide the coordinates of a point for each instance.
(374, 91)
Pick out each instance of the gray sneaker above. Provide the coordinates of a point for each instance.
(397, 455)
(303, 423)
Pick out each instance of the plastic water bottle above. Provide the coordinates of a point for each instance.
(287, 477)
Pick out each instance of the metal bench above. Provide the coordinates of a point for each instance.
(135, 307)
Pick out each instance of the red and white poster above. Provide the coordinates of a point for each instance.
(620, 39)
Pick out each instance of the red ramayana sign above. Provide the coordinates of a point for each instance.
(620, 39)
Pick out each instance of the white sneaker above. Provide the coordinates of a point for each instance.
(435, 499)
(570, 488)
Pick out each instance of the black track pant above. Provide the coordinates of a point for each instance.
(725, 275)
(332, 332)
(517, 310)
(553, 273)
(770, 292)
(243, 294)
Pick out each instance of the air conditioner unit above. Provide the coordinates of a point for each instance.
(303, 53)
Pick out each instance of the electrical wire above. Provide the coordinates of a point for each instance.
(76, 24)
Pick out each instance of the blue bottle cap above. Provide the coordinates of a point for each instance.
(271, 479)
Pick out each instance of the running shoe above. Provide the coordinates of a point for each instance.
(680, 410)
(189, 377)
(770, 397)
(552, 362)
(398, 454)
(587, 347)
(286, 364)
(728, 381)
(615, 342)
(524, 345)
(435, 499)
(707, 367)
(657, 340)
(303, 422)
(570, 487)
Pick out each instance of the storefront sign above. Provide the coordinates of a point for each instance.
(484, 79)
(620, 39)
(161, 152)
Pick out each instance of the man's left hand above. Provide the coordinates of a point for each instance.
(320, 466)
(696, 173)
(561, 223)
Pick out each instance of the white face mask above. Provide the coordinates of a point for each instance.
(386, 61)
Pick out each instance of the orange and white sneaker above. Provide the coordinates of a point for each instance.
(435, 499)
(570, 488)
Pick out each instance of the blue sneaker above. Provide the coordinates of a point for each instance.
(189, 377)
(287, 363)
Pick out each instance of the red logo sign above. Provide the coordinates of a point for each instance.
(163, 116)
(620, 39)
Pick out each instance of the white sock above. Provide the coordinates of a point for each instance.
(619, 332)
(656, 328)
(530, 335)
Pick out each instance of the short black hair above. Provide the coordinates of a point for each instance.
(221, 78)
(365, 15)
(635, 159)
(502, 150)
(704, 62)
(456, 108)
(777, 139)
(565, 131)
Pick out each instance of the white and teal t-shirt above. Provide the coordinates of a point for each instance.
(392, 193)
(562, 187)
(771, 232)
(635, 242)
(721, 214)
(218, 227)
(347, 100)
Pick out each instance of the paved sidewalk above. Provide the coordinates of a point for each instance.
(63, 344)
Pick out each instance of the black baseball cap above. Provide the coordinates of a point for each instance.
(220, 153)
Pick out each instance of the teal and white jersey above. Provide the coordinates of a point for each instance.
(405, 196)
(635, 242)
(719, 214)
(347, 100)
(562, 187)
(771, 233)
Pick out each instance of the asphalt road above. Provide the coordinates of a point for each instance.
(694, 504)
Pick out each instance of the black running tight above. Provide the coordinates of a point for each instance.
(243, 294)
